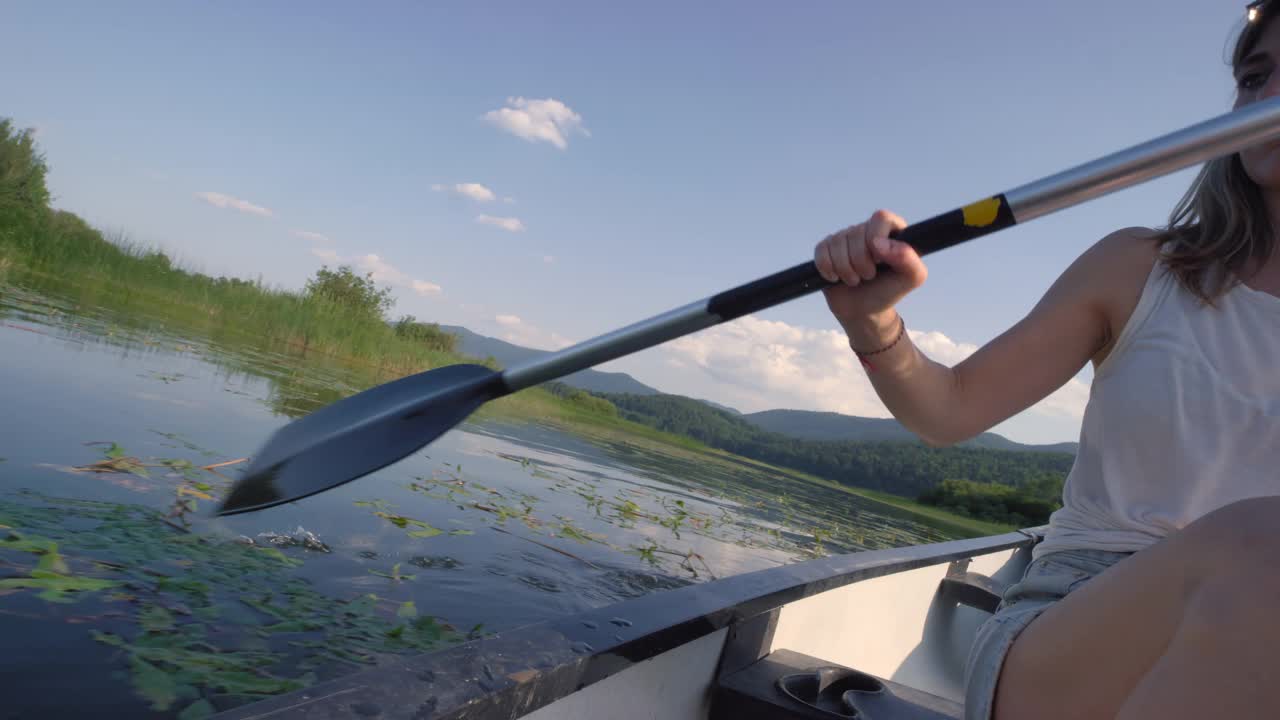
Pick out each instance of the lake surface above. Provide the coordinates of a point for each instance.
(121, 595)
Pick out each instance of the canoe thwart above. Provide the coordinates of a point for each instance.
(971, 589)
(787, 685)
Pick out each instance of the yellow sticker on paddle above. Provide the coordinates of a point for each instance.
(981, 213)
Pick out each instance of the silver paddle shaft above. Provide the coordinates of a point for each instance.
(1231, 132)
(1222, 135)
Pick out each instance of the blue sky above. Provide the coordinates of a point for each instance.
(639, 156)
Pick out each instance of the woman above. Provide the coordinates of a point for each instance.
(1156, 590)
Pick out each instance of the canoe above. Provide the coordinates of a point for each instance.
(876, 635)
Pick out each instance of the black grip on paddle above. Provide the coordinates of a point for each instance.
(952, 228)
(767, 291)
(937, 233)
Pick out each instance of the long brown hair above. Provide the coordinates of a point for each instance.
(1221, 224)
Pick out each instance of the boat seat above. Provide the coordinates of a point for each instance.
(760, 678)
(787, 685)
(971, 589)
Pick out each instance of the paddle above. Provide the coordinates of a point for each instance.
(372, 429)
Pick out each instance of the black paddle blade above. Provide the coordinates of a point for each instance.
(359, 434)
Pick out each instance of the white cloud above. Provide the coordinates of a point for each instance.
(548, 259)
(326, 254)
(475, 191)
(510, 224)
(940, 347)
(310, 236)
(382, 271)
(755, 364)
(516, 330)
(546, 120)
(1067, 401)
(422, 287)
(220, 200)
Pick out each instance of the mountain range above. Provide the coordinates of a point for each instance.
(811, 425)
(801, 424)
(508, 354)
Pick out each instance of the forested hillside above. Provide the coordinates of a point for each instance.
(1031, 482)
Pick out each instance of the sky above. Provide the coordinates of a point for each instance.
(545, 172)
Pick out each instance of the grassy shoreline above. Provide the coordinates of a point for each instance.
(64, 252)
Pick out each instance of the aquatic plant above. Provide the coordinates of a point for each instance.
(176, 589)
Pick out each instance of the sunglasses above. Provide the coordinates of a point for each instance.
(1253, 10)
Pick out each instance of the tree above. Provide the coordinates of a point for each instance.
(345, 288)
(22, 169)
(1000, 485)
(986, 501)
(585, 400)
(428, 334)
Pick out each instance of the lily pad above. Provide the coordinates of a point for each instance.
(156, 685)
(57, 588)
(198, 710)
(167, 592)
(395, 574)
(425, 530)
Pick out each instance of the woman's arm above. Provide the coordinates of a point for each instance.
(1074, 322)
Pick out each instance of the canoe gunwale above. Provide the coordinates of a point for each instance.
(517, 671)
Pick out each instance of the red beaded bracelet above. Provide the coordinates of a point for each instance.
(862, 356)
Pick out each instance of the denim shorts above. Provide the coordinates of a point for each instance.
(1046, 580)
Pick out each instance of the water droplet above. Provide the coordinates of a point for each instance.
(620, 622)
(590, 624)
(581, 648)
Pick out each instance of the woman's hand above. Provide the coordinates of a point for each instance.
(864, 298)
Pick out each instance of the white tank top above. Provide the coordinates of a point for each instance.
(1183, 417)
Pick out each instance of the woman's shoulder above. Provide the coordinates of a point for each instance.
(1120, 261)
(1119, 265)
(1135, 246)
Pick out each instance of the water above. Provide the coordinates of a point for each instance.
(120, 595)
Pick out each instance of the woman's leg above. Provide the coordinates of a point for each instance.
(1156, 623)
(1222, 661)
